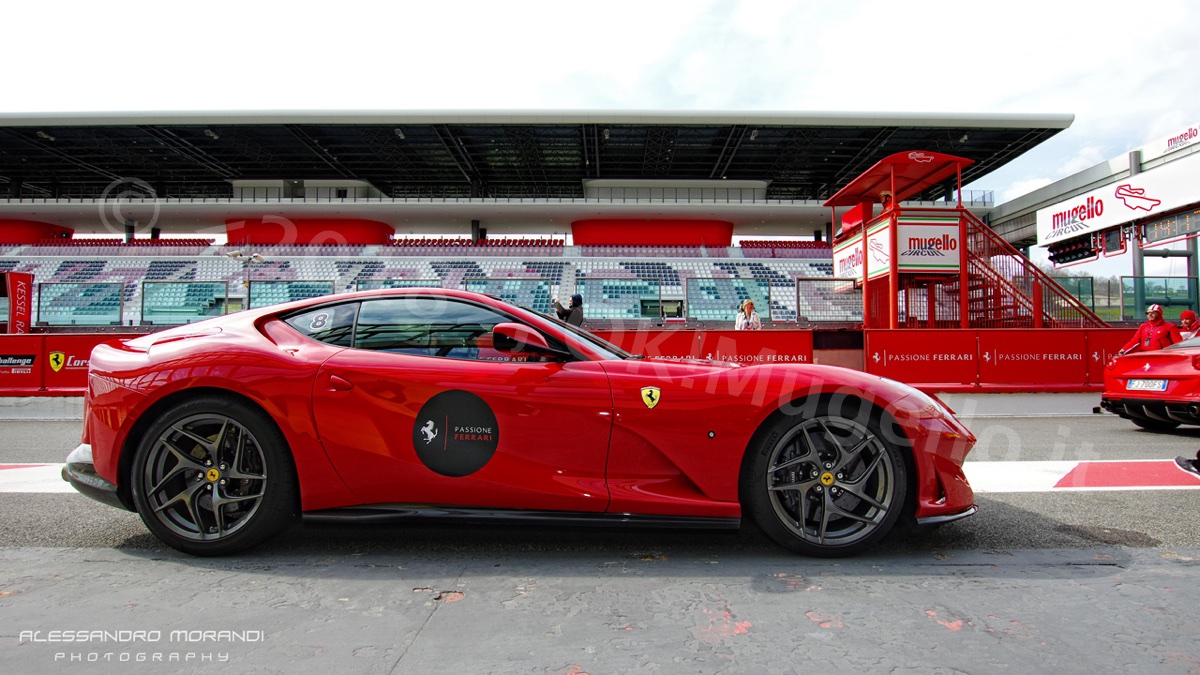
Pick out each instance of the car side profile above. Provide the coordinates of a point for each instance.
(437, 403)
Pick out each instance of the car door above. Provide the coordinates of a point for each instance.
(420, 410)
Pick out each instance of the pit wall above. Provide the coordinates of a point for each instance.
(979, 361)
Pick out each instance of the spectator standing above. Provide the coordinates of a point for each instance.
(1154, 334)
(573, 313)
(747, 318)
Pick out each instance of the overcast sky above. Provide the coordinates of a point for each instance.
(1128, 71)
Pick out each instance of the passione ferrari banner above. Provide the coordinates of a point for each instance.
(1000, 360)
(748, 347)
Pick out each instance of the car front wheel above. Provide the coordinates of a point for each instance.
(213, 476)
(829, 485)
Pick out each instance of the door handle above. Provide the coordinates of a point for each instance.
(338, 384)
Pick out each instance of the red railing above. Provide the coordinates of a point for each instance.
(1005, 290)
(1000, 267)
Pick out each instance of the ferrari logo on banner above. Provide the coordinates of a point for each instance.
(57, 360)
(650, 396)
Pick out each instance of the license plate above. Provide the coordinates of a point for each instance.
(1147, 385)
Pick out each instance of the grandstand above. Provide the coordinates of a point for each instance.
(178, 286)
(652, 217)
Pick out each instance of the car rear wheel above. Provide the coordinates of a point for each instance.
(830, 485)
(213, 476)
(1153, 425)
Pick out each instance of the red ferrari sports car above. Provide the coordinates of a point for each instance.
(422, 403)
(1156, 390)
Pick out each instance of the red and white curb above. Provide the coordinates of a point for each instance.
(1136, 474)
(33, 478)
(985, 477)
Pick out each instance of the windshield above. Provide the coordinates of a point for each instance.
(1190, 342)
(611, 351)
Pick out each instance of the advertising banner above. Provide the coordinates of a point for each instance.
(750, 347)
(1052, 357)
(927, 244)
(21, 359)
(924, 356)
(848, 259)
(1103, 344)
(758, 347)
(19, 286)
(66, 360)
(1145, 194)
(41, 364)
(879, 250)
(678, 343)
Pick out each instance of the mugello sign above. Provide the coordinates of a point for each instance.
(1149, 193)
(923, 244)
(849, 258)
(926, 244)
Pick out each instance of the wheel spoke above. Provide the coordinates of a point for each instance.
(849, 457)
(831, 505)
(867, 471)
(803, 485)
(187, 497)
(209, 446)
(855, 492)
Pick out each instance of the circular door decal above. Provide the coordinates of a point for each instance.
(455, 433)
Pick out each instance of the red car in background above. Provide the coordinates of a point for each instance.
(424, 403)
(1156, 390)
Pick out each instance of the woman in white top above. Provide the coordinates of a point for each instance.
(747, 318)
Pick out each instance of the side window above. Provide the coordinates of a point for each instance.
(331, 325)
(427, 327)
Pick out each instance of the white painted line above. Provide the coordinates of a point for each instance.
(41, 478)
(987, 477)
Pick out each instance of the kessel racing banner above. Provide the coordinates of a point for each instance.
(19, 287)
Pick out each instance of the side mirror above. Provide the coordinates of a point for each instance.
(516, 337)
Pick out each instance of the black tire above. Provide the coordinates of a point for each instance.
(828, 485)
(214, 448)
(1153, 425)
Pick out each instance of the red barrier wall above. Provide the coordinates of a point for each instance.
(656, 232)
(946, 360)
(994, 360)
(48, 364)
(30, 231)
(277, 230)
(774, 346)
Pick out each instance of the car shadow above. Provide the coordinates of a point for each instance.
(994, 541)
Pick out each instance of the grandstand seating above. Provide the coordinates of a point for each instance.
(786, 249)
(650, 277)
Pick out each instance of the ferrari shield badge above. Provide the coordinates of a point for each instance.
(57, 360)
(650, 396)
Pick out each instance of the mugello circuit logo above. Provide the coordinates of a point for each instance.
(877, 251)
(930, 246)
(1075, 219)
(455, 434)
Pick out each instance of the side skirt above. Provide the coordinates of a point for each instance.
(400, 513)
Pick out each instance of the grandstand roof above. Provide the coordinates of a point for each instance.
(488, 153)
(437, 172)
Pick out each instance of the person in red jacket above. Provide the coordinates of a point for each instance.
(1154, 334)
(1188, 326)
